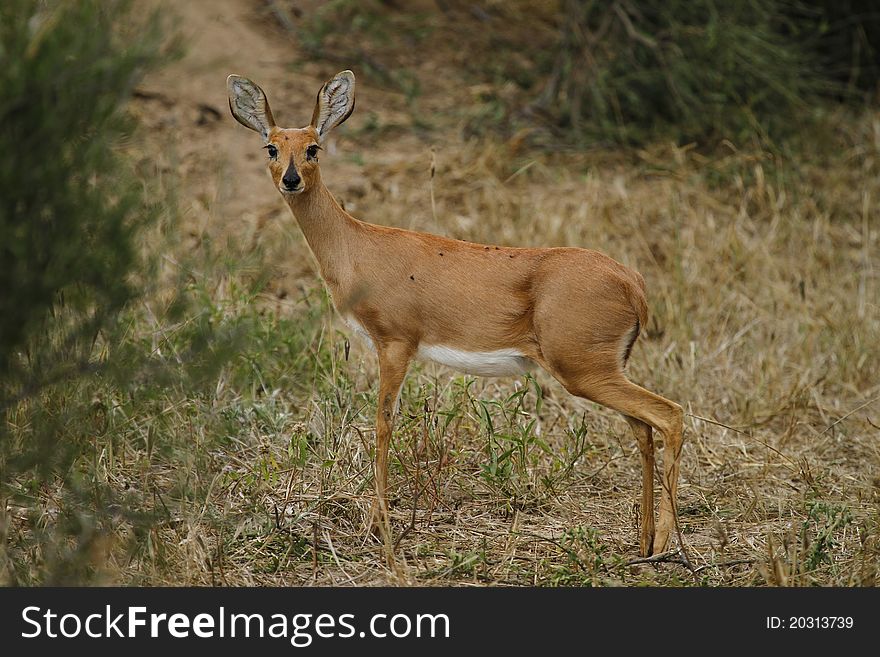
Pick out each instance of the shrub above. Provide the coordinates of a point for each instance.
(71, 216)
(692, 69)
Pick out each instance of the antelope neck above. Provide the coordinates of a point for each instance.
(329, 231)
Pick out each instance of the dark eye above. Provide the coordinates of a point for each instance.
(312, 152)
(273, 152)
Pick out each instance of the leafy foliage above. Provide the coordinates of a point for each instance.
(73, 221)
(67, 217)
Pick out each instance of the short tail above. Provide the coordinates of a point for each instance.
(631, 338)
(639, 303)
(638, 300)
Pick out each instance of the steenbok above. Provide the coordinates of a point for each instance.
(484, 310)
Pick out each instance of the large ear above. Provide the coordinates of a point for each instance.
(249, 105)
(335, 103)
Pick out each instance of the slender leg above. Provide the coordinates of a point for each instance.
(645, 438)
(394, 359)
(665, 416)
(671, 463)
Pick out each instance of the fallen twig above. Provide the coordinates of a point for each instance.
(672, 556)
(855, 410)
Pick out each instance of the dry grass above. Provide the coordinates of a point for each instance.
(764, 319)
(764, 324)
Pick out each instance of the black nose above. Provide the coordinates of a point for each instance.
(291, 180)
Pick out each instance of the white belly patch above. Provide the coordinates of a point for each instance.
(503, 362)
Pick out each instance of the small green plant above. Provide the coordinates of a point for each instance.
(826, 522)
(585, 561)
(513, 442)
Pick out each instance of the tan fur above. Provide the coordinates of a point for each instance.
(570, 310)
